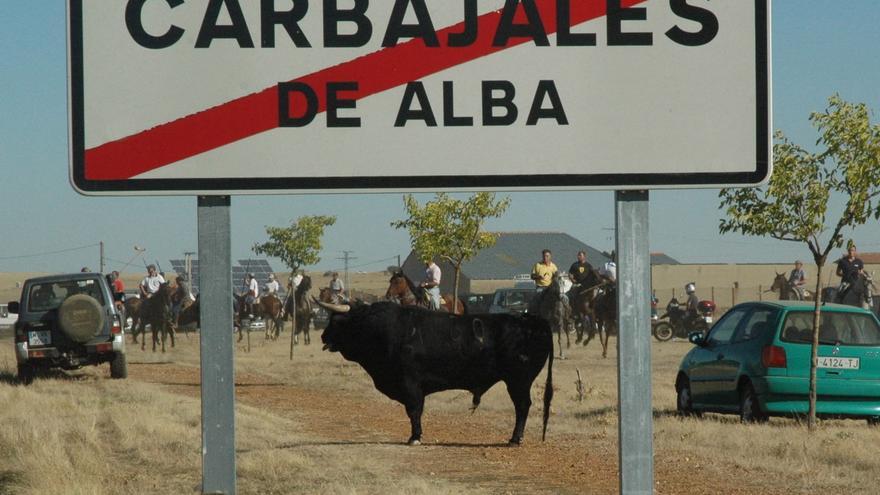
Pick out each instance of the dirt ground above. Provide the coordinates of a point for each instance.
(462, 448)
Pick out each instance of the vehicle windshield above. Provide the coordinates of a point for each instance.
(514, 299)
(834, 328)
(50, 295)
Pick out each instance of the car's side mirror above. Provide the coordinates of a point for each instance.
(697, 338)
(12, 307)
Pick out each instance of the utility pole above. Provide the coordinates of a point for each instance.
(101, 264)
(398, 263)
(346, 257)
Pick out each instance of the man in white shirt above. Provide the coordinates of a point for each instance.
(272, 286)
(432, 284)
(252, 294)
(337, 289)
(150, 284)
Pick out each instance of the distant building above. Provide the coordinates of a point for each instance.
(514, 253)
(663, 259)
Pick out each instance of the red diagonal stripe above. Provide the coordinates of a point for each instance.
(258, 112)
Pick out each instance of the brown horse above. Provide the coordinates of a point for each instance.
(156, 312)
(403, 291)
(582, 299)
(787, 290)
(191, 315)
(133, 310)
(605, 315)
(273, 311)
(553, 308)
(300, 301)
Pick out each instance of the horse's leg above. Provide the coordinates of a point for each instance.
(603, 338)
(559, 341)
(171, 331)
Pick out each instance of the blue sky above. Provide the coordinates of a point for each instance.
(820, 47)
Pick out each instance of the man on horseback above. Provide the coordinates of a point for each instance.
(180, 295)
(544, 271)
(150, 284)
(252, 294)
(272, 286)
(849, 268)
(337, 289)
(797, 279)
(431, 284)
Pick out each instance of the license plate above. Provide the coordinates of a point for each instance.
(839, 363)
(39, 337)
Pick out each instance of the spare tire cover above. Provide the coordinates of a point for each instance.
(81, 317)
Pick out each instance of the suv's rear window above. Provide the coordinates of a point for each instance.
(834, 328)
(48, 296)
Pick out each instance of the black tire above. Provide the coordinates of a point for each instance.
(26, 374)
(684, 403)
(663, 331)
(81, 317)
(119, 366)
(749, 408)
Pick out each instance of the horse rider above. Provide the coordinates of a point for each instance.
(181, 293)
(150, 284)
(849, 269)
(797, 279)
(337, 289)
(252, 294)
(544, 271)
(692, 311)
(579, 273)
(272, 286)
(431, 284)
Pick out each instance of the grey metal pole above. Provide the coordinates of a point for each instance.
(635, 414)
(217, 359)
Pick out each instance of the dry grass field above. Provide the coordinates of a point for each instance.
(317, 425)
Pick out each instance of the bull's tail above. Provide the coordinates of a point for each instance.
(548, 391)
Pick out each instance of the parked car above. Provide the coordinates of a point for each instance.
(67, 321)
(512, 300)
(477, 303)
(755, 361)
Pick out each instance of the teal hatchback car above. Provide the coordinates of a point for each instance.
(755, 362)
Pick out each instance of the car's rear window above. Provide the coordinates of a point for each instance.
(48, 296)
(834, 328)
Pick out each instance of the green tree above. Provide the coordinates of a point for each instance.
(297, 245)
(451, 229)
(794, 205)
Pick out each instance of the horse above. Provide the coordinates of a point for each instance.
(553, 307)
(156, 312)
(403, 291)
(787, 290)
(133, 310)
(273, 310)
(190, 314)
(859, 293)
(582, 299)
(303, 307)
(605, 314)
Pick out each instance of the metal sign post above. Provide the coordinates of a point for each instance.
(217, 360)
(635, 415)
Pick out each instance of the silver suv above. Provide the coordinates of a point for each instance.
(67, 321)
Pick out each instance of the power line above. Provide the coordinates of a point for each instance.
(48, 253)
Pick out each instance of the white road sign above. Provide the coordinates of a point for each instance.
(241, 96)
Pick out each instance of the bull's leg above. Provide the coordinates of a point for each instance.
(522, 401)
(414, 407)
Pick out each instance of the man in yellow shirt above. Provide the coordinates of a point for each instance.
(544, 271)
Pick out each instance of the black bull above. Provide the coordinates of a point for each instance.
(411, 352)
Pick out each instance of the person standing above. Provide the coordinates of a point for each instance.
(431, 284)
(544, 270)
(253, 292)
(150, 284)
(797, 279)
(118, 287)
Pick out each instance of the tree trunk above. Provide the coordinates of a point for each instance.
(814, 348)
(455, 288)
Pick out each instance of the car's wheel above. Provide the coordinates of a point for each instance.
(663, 331)
(119, 366)
(684, 403)
(81, 317)
(749, 408)
(875, 421)
(26, 374)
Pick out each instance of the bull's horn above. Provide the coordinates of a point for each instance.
(334, 308)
